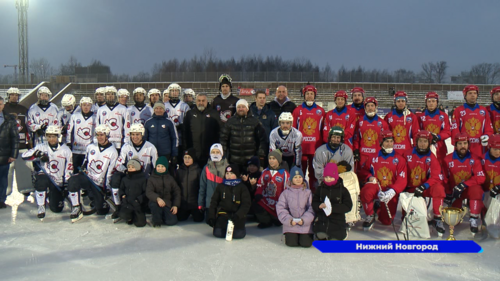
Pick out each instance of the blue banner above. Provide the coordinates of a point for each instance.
(423, 246)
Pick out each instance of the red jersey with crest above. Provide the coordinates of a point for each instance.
(491, 168)
(367, 136)
(467, 170)
(358, 110)
(345, 118)
(423, 169)
(309, 121)
(495, 118)
(437, 123)
(475, 122)
(403, 128)
(270, 185)
(390, 171)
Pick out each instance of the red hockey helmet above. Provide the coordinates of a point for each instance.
(371, 99)
(340, 94)
(400, 94)
(357, 89)
(460, 137)
(431, 95)
(310, 88)
(494, 91)
(494, 141)
(424, 134)
(470, 88)
(385, 134)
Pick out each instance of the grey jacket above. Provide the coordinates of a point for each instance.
(324, 154)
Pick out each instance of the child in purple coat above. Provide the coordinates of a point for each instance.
(295, 211)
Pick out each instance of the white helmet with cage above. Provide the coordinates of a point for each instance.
(53, 130)
(286, 116)
(137, 128)
(85, 100)
(103, 129)
(13, 91)
(68, 100)
(189, 92)
(139, 90)
(153, 91)
(123, 92)
(43, 90)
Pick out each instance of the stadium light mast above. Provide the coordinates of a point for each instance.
(22, 23)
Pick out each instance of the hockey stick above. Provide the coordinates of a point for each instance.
(389, 213)
(110, 202)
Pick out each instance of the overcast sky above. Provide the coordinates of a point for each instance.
(130, 36)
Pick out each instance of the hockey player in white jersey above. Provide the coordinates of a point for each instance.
(100, 98)
(98, 167)
(153, 96)
(41, 115)
(114, 116)
(144, 151)
(57, 162)
(81, 127)
(123, 96)
(140, 111)
(68, 103)
(175, 108)
(287, 139)
(189, 97)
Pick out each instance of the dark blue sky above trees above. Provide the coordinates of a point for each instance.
(131, 36)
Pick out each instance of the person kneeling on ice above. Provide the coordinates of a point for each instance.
(164, 195)
(57, 163)
(133, 194)
(230, 201)
(331, 202)
(295, 211)
(271, 184)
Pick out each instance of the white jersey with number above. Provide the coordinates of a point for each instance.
(290, 145)
(101, 163)
(115, 118)
(60, 165)
(146, 153)
(81, 131)
(139, 114)
(37, 117)
(177, 113)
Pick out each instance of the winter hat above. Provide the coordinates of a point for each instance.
(191, 152)
(277, 154)
(296, 171)
(134, 162)
(243, 102)
(254, 161)
(214, 157)
(331, 170)
(234, 169)
(162, 161)
(159, 104)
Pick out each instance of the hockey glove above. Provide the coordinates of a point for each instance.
(44, 158)
(434, 138)
(388, 195)
(38, 154)
(344, 166)
(494, 191)
(448, 200)
(356, 155)
(484, 140)
(419, 191)
(457, 190)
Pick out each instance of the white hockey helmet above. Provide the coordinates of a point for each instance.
(286, 116)
(13, 91)
(139, 90)
(123, 92)
(137, 128)
(153, 91)
(85, 100)
(68, 100)
(103, 129)
(43, 90)
(100, 90)
(172, 87)
(111, 89)
(189, 92)
(53, 130)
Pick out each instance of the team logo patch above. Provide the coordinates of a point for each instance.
(279, 179)
(471, 162)
(92, 152)
(229, 169)
(441, 117)
(65, 116)
(208, 116)
(78, 121)
(409, 119)
(84, 133)
(379, 123)
(318, 111)
(482, 112)
(266, 177)
(53, 166)
(112, 123)
(218, 107)
(428, 160)
(347, 117)
(104, 113)
(130, 153)
(132, 113)
(96, 166)
(37, 114)
(395, 161)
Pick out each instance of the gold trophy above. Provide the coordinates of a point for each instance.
(452, 216)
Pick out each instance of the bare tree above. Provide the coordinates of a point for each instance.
(41, 68)
(440, 71)
(69, 67)
(427, 73)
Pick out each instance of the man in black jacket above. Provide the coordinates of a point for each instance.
(225, 103)
(281, 102)
(243, 136)
(9, 148)
(263, 112)
(201, 129)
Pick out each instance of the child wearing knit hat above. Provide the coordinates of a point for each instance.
(330, 224)
(132, 193)
(188, 177)
(252, 175)
(295, 211)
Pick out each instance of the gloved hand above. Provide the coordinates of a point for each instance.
(484, 140)
(235, 217)
(44, 158)
(435, 139)
(258, 197)
(64, 130)
(457, 190)
(448, 200)
(38, 154)
(357, 157)
(419, 191)
(494, 191)
(344, 166)
(43, 127)
(211, 222)
(387, 196)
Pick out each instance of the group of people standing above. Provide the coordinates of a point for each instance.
(220, 162)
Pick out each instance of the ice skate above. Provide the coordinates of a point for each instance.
(473, 225)
(76, 214)
(41, 212)
(368, 223)
(439, 226)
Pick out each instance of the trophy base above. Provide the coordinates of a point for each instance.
(451, 238)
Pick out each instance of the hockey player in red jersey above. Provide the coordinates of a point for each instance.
(308, 119)
(425, 178)
(385, 177)
(494, 109)
(473, 120)
(463, 176)
(437, 123)
(342, 116)
(366, 140)
(358, 98)
(403, 123)
(491, 166)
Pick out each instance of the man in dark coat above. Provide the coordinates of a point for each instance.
(9, 148)
(281, 102)
(243, 136)
(225, 103)
(201, 129)
(263, 112)
(161, 132)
